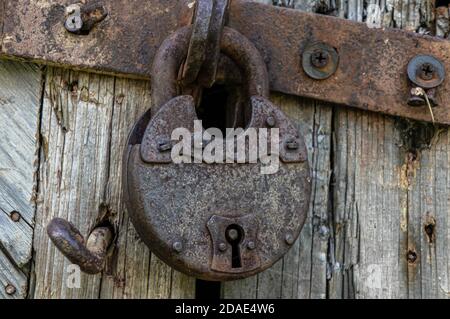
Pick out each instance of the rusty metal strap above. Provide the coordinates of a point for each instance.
(371, 74)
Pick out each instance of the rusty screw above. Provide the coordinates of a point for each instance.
(15, 216)
(426, 71)
(10, 289)
(320, 58)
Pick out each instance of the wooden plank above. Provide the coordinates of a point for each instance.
(383, 197)
(85, 121)
(20, 93)
(387, 187)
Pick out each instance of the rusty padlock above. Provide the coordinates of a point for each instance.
(214, 221)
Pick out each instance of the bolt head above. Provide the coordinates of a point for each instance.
(426, 71)
(177, 247)
(320, 58)
(15, 216)
(251, 245)
(289, 239)
(222, 247)
(10, 289)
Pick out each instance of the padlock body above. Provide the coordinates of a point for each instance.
(191, 204)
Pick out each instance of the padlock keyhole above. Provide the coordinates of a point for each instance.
(234, 234)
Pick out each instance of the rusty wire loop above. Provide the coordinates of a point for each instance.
(89, 255)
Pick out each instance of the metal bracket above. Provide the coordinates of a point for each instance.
(372, 63)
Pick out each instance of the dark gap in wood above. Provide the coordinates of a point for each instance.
(331, 258)
(31, 280)
(207, 290)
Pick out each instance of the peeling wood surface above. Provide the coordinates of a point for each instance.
(20, 94)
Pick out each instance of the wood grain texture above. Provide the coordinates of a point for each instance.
(85, 121)
(381, 202)
(20, 94)
(378, 225)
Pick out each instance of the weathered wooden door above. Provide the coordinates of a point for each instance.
(378, 225)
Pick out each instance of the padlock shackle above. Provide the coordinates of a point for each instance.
(173, 51)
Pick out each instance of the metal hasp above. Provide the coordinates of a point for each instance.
(214, 221)
(371, 73)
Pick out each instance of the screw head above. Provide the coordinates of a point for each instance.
(177, 247)
(10, 289)
(289, 239)
(251, 245)
(15, 216)
(222, 247)
(426, 71)
(320, 58)
(74, 23)
(270, 121)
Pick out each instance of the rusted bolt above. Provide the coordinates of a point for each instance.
(411, 256)
(292, 144)
(289, 239)
(222, 247)
(10, 289)
(177, 247)
(270, 121)
(320, 58)
(15, 216)
(251, 245)
(426, 71)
